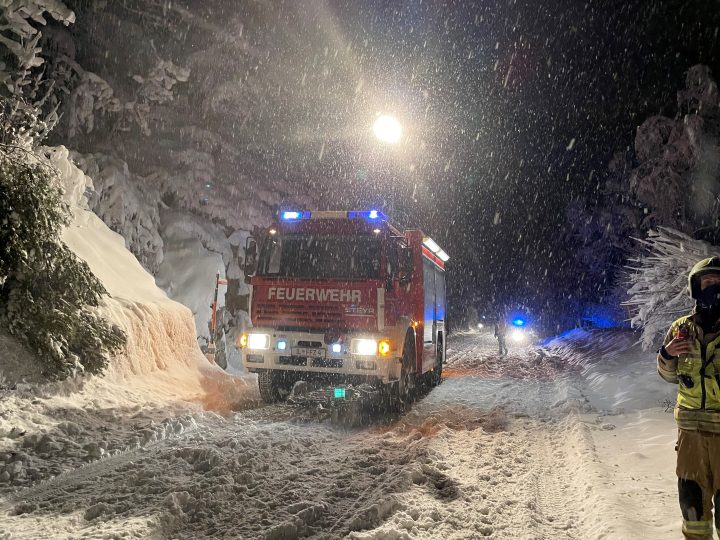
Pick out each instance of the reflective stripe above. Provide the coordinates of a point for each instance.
(381, 308)
(693, 388)
(698, 420)
(701, 528)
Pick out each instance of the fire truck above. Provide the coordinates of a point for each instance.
(347, 298)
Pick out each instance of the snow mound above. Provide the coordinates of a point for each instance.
(161, 332)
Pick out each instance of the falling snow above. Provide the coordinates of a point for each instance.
(564, 154)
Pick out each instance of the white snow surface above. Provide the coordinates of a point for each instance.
(148, 390)
(564, 440)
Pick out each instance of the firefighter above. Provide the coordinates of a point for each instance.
(690, 357)
(500, 334)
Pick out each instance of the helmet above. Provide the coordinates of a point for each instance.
(711, 265)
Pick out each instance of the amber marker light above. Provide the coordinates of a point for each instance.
(243, 341)
(384, 347)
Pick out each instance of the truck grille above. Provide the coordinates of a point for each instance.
(298, 315)
(327, 362)
(292, 360)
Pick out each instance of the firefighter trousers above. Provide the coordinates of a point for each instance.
(698, 472)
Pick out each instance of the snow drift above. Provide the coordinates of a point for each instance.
(162, 354)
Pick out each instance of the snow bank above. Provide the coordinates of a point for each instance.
(152, 390)
(162, 355)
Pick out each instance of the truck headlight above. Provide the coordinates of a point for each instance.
(258, 341)
(363, 347)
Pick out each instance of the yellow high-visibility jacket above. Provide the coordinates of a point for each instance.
(697, 376)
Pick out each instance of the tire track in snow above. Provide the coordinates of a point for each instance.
(64, 482)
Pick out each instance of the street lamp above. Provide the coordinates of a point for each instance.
(387, 129)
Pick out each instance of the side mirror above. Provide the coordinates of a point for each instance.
(251, 262)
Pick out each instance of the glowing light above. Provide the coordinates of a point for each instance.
(517, 335)
(376, 231)
(480, 325)
(336, 348)
(384, 347)
(371, 215)
(281, 345)
(443, 256)
(272, 231)
(519, 322)
(290, 215)
(258, 341)
(387, 129)
(364, 347)
(243, 341)
(431, 245)
(338, 393)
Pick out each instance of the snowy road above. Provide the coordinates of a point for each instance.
(501, 449)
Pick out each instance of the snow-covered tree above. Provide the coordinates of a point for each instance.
(19, 38)
(657, 281)
(679, 160)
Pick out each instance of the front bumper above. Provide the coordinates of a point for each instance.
(308, 352)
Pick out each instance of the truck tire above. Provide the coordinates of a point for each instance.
(404, 389)
(270, 387)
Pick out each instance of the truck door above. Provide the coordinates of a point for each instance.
(430, 316)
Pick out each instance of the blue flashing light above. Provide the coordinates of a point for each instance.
(370, 215)
(294, 215)
(339, 393)
(519, 322)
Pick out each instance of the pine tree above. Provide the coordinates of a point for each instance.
(47, 294)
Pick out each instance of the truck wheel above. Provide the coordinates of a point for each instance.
(405, 387)
(271, 389)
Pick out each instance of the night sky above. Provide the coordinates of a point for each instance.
(512, 110)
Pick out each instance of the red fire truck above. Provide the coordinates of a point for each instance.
(344, 297)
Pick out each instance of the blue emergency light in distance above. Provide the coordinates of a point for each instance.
(519, 322)
(338, 393)
(290, 215)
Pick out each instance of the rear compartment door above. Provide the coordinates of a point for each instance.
(430, 315)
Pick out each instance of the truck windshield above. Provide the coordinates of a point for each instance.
(320, 256)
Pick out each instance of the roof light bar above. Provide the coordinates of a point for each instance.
(294, 215)
(371, 215)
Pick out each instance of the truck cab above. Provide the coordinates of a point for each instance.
(344, 297)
